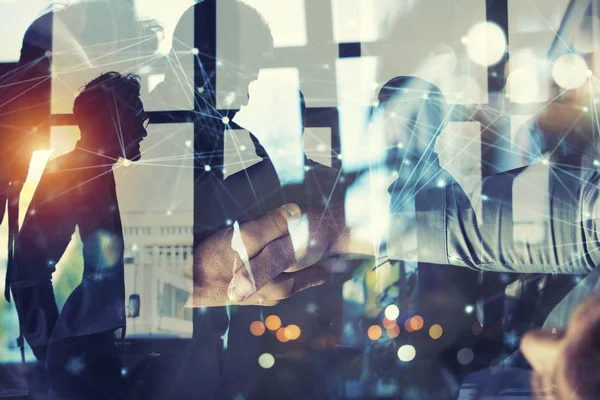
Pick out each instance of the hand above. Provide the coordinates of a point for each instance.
(265, 239)
(567, 361)
(316, 239)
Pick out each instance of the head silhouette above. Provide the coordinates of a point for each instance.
(231, 39)
(111, 115)
(410, 116)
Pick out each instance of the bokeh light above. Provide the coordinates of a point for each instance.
(477, 328)
(469, 309)
(416, 322)
(292, 332)
(393, 331)
(273, 322)
(436, 331)
(486, 43)
(523, 86)
(266, 360)
(257, 328)
(392, 312)
(465, 356)
(407, 325)
(406, 353)
(387, 324)
(570, 71)
(281, 336)
(374, 332)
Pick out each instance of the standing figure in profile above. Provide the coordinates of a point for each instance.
(77, 345)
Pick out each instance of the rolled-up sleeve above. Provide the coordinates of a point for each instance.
(538, 219)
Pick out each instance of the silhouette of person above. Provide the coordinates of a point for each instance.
(248, 194)
(78, 190)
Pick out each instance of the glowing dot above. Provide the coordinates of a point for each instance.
(228, 222)
(545, 161)
(395, 174)
(436, 331)
(219, 63)
(465, 356)
(48, 53)
(400, 146)
(416, 322)
(292, 332)
(224, 171)
(477, 328)
(123, 371)
(406, 353)
(585, 109)
(134, 247)
(242, 148)
(321, 147)
(169, 212)
(469, 309)
(407, 325)
(195, 51)
(484, 197)
(441, 183)
(207, 168)
(266, 360)
(596, 163)
(32, 212)
(374, 332)
(326, 66)
(486, 43)
(407, 162)
(393, 332)
(339, 156)
(306, 168)
(188, 143)
(589, 72)
(225, 120)
(200, 90)
(388, 324)
(257, 328)
(280, 335)
(523, 86)
(392, 312)
(464, 40)
(273, 322)
(126, 163)
(569, 71)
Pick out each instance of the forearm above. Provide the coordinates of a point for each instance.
(529, 221)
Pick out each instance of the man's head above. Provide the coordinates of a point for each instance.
(111, 115)
(567, 362)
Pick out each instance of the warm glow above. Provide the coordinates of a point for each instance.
(374, 332)
(407, 325)
(436, 331)
(393, 332)
(387, 324)
(281, 336)
(486, 43)
(273, 322)
(570, 71)
(416, 322)
(257, 328)
(292, 332)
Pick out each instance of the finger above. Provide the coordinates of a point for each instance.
(275, 258)
(288, 284)
(258, 233)
(542, 348)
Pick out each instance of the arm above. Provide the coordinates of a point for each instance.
(46, 232)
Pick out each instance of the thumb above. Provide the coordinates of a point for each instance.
(542, 347)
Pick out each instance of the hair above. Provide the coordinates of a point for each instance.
(424, 95)
(101, 99)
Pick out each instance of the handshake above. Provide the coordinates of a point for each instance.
(266, 260)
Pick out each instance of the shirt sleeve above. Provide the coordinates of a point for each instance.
(538, 219)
